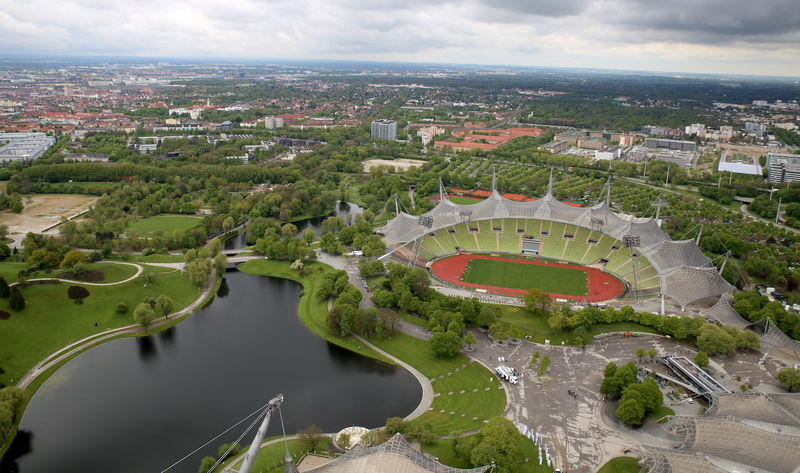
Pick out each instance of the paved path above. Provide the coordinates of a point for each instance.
(138, 267)
(427, 387)
(771, 222)
(85, 343)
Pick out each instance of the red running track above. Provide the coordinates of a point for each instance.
(602, 286)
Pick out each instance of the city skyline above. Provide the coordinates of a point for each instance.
(712, 37)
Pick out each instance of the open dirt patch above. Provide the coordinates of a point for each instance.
(43, 211)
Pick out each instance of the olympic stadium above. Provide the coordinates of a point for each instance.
(621, 257)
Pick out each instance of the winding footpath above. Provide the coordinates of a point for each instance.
(75, 348)
(138, 267)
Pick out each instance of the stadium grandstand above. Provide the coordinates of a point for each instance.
(635, 250)
(740, 432)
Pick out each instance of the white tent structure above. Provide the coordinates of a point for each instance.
(686, 274)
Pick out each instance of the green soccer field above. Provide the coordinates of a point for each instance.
(552, 279)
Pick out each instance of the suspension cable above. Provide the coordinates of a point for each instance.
(216, 437)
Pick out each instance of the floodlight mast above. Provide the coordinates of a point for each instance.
(254, 447)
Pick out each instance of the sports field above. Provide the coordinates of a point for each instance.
(519, 275)
(514, 277)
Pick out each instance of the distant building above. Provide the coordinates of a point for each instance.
(739, 163)
(24, 146)
(656, 143)
(609, 152)
(591, 143)
(86, 158)
(226, 125)
(637, 154)
(556, 146)
(570, 136)
(725, 133)
(627, 140)
(384, 130)
(783, 167)
(698, 129)
(272, 123)
(654, 130)
(682, 158)
(757, 129)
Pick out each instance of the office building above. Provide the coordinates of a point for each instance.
(753, 128)
(384, 130)
(609, 152)
(656, 143)
(783, 167)
(739, 163)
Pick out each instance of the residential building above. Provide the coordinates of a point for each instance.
(384, 129)
(753, 128)
(783, 167)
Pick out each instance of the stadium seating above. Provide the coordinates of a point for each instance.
(554, 245)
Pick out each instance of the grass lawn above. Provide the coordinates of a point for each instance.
(112, 272)
(524, 276)
(154, 258)
(9, 270)
(620, 465)
(537, 329)
(50, 320)
(443, 450)
(463, 412)
(270, 458)
(661, 412)
(311, 310)
(164, 223)
(464, 200)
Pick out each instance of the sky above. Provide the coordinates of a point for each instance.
(698, 36)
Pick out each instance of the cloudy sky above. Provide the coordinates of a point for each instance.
(717, 36)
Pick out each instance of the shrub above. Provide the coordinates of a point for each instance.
(122, 308)
(77, 292)
(16, 300)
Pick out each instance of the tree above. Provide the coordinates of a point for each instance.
(343, 441)
(16, 301)
(483, 454)
(469, 339)
(557, 321)
(631, 412)
(144, 315)
(206, 463)
(220, 262)
(652, 353)
(308, 235)
(311, 438)
(227, 224)
(446, 344)
(164, 305)
(640, 353)
(701, 358)
(72, 258)
(5, 290)
(713, 339)
(199, 271)
(395, 425)
(790, 377)
(537, 301)
(544, 365)
(223, 453)
(288, 231)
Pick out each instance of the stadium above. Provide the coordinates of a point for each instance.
(584, 254)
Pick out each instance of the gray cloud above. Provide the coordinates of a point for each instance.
(712, 36)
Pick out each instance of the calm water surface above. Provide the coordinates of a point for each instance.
(137, 405)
